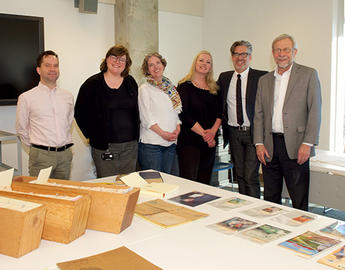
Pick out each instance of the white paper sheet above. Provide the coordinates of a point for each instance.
(6, 179)
(43, 176)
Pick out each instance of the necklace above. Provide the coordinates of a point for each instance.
(203, 86)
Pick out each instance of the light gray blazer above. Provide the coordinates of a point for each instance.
(301, 110)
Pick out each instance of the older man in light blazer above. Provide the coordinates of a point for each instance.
(287, 124)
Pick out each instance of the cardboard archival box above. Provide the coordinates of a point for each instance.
(109, 211)
(20, 229)
(65, 219)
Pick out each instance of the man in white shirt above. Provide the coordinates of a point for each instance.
(44, 118)
(238, 89)
(287, 124)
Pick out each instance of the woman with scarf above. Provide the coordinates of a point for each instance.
(159, 106)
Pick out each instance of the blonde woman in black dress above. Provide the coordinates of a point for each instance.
(201, 118)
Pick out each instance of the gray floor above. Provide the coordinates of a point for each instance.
(333, 213)
(313, 208)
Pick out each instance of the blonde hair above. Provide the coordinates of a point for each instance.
(211, 83)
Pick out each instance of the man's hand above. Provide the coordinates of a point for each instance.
(303, 153)
(261, 152)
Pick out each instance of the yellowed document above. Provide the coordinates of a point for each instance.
(6, 179)
(133, 180)
(166, 214)
(43, 176)
(120, 259)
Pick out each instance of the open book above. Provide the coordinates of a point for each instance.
(158, 189)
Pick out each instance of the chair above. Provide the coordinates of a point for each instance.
(222, 166)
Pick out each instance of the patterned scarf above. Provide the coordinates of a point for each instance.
(169, 89)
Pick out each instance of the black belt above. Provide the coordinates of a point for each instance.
(278, 134)
(55, 149)
(241, 128)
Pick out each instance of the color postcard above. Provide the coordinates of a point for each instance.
(336, 259)
(232, 225)
(230, 203)
(336, 229)
(263, 211)
(194, 198)
(264, 233)
(294, 218)
(309, 243)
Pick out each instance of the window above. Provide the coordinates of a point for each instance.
(337, 132)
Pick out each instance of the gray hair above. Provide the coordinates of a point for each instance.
(241, 43)
(284, 36)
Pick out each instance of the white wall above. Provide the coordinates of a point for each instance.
(81, 40)
(180, 39)
(309, 21)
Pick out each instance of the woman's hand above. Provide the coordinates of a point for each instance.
(177, 130)
(212, 144)
(209, 135)
(169, 136)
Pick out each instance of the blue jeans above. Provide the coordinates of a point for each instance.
(156, 157)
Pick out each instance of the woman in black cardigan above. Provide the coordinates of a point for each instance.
(107, 113)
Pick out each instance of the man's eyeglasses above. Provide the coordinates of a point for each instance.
(244, 54)
(121, 59)
(285, 50)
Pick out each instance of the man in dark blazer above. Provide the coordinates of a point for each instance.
(287, 124)
(238, 89)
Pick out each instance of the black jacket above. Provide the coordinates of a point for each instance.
(252, 86)
(90, 112)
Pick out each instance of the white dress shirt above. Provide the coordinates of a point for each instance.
(155, 107)
(44, 116)
(231, 99)
(280, 87)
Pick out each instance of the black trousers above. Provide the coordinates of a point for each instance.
(246, 163)
(196, 162)
(296, 176)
